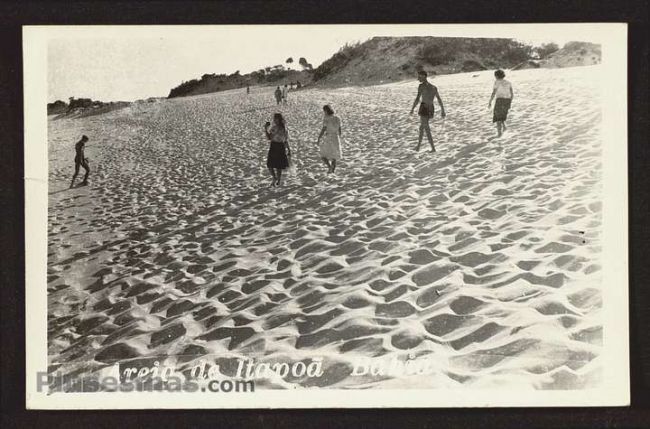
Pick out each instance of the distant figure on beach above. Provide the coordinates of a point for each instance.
(278, 95)
(504, 95)
(80, 160)
(330, 147)
(285, 91)
(279, 150)
(248, 89)
(426, 93)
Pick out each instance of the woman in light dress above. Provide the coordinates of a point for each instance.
(330, 146)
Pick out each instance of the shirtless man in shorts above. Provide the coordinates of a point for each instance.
(426, 92)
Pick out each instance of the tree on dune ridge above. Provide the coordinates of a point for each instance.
(305, 65)
(546, 49)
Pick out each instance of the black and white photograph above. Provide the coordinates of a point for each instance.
(295, 216)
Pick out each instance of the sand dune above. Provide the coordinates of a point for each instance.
(483, 257)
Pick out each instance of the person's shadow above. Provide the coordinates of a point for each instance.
(78, 185)
(58, 192)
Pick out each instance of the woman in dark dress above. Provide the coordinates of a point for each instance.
(279, 150)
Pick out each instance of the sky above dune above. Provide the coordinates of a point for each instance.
(112, 63)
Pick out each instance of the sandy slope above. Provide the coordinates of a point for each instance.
(483, 257)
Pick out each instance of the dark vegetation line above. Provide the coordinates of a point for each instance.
(269, 75)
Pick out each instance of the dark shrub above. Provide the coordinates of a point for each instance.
(435, 53)
(545, 50)
(471, 65)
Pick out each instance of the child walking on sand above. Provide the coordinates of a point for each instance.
(80, 161)
(504, 95)
(279, 150)
(278, 95)
(330, 148)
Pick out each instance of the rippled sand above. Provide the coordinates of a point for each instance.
(483, 258)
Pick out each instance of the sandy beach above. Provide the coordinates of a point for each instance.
(483, 258)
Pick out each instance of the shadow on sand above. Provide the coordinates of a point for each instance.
(78, 185)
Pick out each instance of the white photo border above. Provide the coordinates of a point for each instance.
(615, 388)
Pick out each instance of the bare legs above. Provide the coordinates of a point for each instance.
(331, 165)
(78, 164)
(327, 163)
(277, 176)
(501, 127)
(424, 128)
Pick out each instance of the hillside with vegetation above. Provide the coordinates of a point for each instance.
(275, 75)
(81, 107)
(387, 59)
(573, 54)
